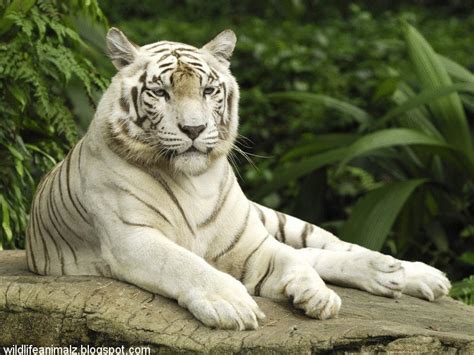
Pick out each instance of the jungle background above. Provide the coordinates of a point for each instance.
(355, 115)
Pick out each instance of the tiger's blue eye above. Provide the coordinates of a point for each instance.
(209, 90)
(160, 92)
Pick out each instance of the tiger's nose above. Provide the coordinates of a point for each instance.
(192, 131)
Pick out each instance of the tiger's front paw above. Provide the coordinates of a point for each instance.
(225, 305)
(309, 293)
(424, 281)
(381, 275)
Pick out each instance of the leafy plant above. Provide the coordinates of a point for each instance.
(464, 290)
(41, 54)
(421, 154)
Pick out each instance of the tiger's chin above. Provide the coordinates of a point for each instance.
(191, 163)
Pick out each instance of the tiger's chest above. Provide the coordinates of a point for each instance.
(205, 211)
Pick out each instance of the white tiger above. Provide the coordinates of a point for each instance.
(148, 197)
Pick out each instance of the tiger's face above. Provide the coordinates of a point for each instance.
(172, 103)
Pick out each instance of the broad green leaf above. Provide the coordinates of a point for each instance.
(320, 143)
(417, 118)
(389, 138)
(284, 175)
(15, 152)
(467, 257)
(425, 97)
(468, 102)
(37, 149)
(456, 71)
(448, 111)
(374, 214)
(464, 290)
(322, 100)
(19, 95)
(6, 220)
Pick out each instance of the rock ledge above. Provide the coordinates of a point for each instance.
(67, 310)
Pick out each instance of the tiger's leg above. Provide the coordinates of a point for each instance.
(349, 264)
(144, 257)
(275, 270)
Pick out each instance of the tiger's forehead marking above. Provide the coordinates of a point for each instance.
(179, 60)
(164, 49)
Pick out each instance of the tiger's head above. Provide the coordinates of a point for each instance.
(171, 103)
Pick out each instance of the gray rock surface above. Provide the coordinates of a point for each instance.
(45, 310)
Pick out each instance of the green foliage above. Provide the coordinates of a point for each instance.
(464, 290)
(424, 162)
(41, 55)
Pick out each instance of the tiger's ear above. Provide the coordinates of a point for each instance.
(121, 50)
(222, 46)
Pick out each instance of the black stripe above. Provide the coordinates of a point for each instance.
(230, 97)
(84, 209)
(52, 206)
(124, 104)
(153, 208)
(304, 235)
(45, 249)
(166, 70)
(258, 286)
(136, 224)
(80, 204)
(188, 55)
(134, 93)
(214, 74)
(147, 104)
(79, 158)
(40, 224)
(236, 237)
(30, 257)
(225, 102)
(159, 50)
(59, 250)
(202, 71)
(159, 44)
(281, 226)
(33, 223)
(247, 259)
(186, 49)
(197, 64)
(68, 186)
(163, 57)
(35, 212)
(132, 224)
(63, 222)
(31, 235)
(261, 215)
(165, 65)
(220, 200)
(170, 193)
(160, 118)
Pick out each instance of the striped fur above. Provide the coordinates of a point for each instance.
(148, 197)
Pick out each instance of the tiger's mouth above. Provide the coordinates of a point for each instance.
(192, 150)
